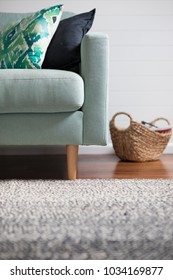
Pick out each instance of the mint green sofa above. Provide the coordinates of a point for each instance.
(55, 107)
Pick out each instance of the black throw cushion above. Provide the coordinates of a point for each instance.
(64, 49)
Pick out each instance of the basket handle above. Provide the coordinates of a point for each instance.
(112, 122)
(160, 119)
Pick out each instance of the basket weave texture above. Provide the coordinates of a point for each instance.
(138, 142)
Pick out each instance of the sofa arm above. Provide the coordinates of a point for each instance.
(94, 71)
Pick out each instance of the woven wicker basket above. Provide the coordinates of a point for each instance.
(137, 142)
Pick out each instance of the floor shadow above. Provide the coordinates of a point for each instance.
(33, 167)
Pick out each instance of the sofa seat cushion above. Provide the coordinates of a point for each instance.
(40, 91)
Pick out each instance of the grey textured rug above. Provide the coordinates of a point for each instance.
(86, 219)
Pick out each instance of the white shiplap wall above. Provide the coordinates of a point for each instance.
(141, 51)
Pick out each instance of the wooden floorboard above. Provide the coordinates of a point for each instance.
(89, 166)
(111, 167)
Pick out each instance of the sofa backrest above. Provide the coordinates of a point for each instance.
(6, 18)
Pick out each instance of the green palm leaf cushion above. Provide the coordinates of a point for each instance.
(24, 44)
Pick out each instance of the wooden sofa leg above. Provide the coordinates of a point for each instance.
(72, 159)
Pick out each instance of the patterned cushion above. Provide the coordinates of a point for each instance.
(24, 44)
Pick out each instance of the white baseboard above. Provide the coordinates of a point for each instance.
(169, 149)
(109, 149)
(83, 150)
(59, 150)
